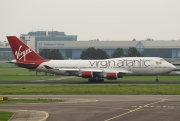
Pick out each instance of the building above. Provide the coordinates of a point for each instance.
(33, 38)
(71, 48)
(5, 51)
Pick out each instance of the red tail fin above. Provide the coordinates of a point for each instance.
(22, 52)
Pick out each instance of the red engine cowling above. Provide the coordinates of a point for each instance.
(111, 75)
(87, 74)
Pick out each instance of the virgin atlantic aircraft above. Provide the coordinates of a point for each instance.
(94, 70)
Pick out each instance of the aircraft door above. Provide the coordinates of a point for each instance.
(152, 67)
(76, 66)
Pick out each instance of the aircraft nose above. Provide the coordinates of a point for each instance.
(172, 67)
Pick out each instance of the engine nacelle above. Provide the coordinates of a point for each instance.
(87, 74)
(111, 75)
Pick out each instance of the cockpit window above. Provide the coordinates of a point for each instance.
(162, 60)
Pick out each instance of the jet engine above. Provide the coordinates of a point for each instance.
(111, 75)
(87, 74)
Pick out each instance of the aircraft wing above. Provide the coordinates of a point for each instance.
(78, 70)
(121, 71)
(93, 70)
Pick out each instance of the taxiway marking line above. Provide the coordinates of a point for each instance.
(43, 119)
(134, 110)
(47, 115)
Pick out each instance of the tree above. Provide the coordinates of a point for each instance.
(89, 53)
(133, 52)
(101, 54)
(51, 54)
(119, 52)
(134, 39)
(55, 54)
(45, 53)
(92, 53)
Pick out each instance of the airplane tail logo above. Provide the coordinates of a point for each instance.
(21, 51)
(22, 54)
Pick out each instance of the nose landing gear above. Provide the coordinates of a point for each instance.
(157, 79)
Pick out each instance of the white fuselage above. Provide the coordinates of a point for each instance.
(126, 66)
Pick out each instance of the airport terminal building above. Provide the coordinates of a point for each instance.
(71, 48)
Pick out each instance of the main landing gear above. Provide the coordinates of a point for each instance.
(95, 80)
(157, 79)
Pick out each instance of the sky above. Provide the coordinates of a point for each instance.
(93, 19)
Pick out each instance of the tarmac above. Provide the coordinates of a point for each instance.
(28, 115)
(97, 108)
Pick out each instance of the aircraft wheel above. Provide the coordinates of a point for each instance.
(102, 80)
(157, 80)
(90, 80)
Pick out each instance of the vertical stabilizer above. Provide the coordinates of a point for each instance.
(22, 52)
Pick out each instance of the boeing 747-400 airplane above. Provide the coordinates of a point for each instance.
(94, 70)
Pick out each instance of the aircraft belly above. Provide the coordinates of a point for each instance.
(142, 71)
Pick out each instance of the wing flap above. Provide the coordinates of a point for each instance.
(118, 71)
(76, 69)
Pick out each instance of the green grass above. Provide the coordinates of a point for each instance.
(16, 71)
(19, 74)
(30, 101)
(4, 64)
(22, 78)
(151, 78)
(92, 89)
(10, 72)
(5, 116)
(162, 78)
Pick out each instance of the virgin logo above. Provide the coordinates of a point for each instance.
(22, 54)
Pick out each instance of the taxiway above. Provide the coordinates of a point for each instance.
(103, 107)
